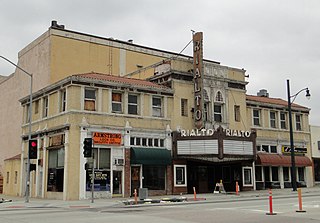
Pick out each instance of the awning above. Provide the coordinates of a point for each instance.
(150, 156)
(267, 159)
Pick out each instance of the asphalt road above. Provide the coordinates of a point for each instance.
(236, 212)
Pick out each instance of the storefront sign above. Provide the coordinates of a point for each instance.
(106, 138)
(210, 132)
(198, 79)
(287, 150)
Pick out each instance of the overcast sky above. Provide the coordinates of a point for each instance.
(274, 40)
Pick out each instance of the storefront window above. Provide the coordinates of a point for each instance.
(102, 170)
(286, 173)
(154, 177)
(55, 170)
(301, 174)
(275, 174)
(258, 173)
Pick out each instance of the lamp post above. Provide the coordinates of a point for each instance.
(293, 163)
(29, 134)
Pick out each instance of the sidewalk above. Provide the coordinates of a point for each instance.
(19, 202)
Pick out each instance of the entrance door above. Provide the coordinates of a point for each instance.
(135, 178)
(117, 182)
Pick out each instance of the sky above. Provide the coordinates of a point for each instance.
(273, 40)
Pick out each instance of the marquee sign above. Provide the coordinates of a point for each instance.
(210, 132)
(198, 79)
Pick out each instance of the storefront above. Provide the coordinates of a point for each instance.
(203, 158)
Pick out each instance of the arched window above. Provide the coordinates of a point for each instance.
(219, 97)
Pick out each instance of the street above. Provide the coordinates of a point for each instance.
(241, 211)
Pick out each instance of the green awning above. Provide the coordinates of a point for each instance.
(150, 156)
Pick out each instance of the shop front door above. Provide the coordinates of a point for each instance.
(135, 179)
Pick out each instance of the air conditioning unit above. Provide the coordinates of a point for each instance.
(119, 162)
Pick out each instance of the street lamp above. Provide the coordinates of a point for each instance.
(293, 163)
(29, 134)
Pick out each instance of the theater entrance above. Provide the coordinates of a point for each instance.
(204, 177)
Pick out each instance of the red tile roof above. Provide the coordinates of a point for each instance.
(273, 101)
(122, 80)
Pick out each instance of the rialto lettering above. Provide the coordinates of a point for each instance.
(210, 132)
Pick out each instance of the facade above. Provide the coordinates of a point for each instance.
(269, 117)
(56, 54)
(129, 122)
(315, 135)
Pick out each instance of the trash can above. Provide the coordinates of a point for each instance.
(143, 193)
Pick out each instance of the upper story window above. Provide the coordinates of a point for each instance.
(273, 119)
(90, 99)
(116, 102)
(184, 107)
(36, 107)
(63, 100)
(256, 117)
(156, 106)
(132, 104)
(283, 120)
(217, 113)
(219, 97)
(27, 113)
(298, 122)
(237, 113)
(45, 107)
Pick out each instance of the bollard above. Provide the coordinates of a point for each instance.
(194, 193)
(135, 196)
(300, 201)
(237, 189)
(270, 204)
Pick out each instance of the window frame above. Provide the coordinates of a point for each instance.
(183, 181)
(217, 115)
(45, 109)
(132, 104)
(237, 115)
(157, 107)
(89, 99)
(63, 100)
(273, 120)
(244, 169)
(283, 120)
(184, 107)
(115, 103)
(256, 117)
(298, 122)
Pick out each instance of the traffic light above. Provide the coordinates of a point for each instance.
(33, 148)
(87, 147)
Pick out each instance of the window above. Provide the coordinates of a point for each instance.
(132, 104)
(247, 176)
(15, 177)
(63, 99)
(273, 120)
(116, 102)
(256, 117)
(265, 148)
(156, 142)
(45, 107)
(156, 106)
(258, 173)
(283, 121)
(184, 107)
(8, 175)
(298, 122)
(180, 176)
(102, 170)
(154, 177)
(36, 107)
(219, 97)
(90, 99)
(55, 170)
(286, 176)
(150, 142)
(217, 110)
(273, 149)
(237, 113)
(27, 113)
(301, 174)
(144, 142)
(275, 173)
(205, 111)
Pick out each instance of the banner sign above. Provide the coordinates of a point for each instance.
(106, 138)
